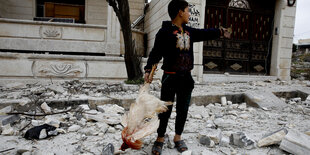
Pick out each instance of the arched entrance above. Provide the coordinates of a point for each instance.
(249, 49)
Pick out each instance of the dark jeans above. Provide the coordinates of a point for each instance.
(180, 85)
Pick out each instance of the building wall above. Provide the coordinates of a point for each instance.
(96, 12)
(17, 9)
(282, 40)
(136, 9)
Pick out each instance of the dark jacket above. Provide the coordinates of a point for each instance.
(176, 47)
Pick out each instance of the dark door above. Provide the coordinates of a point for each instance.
(249, 49)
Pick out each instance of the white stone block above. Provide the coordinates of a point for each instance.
(296, 142)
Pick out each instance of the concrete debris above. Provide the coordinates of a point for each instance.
(242, 106)
(240, 139)
(74, 128)
(207, 152)
(6, 110)
(56, 89)
(214, 135)
(84, 107)
(205, 140)
(272, 138)
(223, 101)
(187, 152)
(7, 130)
(8, 119)
(217, 123)
(296, 142)
(46, 108)
(108, 150)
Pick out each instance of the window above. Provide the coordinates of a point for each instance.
(61, 10)
(242, 4)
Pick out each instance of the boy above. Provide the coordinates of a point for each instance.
(174, 42)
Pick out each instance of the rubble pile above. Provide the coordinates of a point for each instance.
(226, 127)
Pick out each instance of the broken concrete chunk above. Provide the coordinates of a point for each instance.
(207, 152)
(5, 110)
(84, 107)
(113, 108)
(46, 108)
(296, 143)
(205, 140)
(7, 130)
(36, 122)
(215, 135)
(8, 119)
(242, 106)
(111, 119)
(24, 101)
(15, 85)
(43, 134)
(108, 150)
(272, 138)
(187, 152)
(74, 128)
(223, 101)
(240, 139)
(57, 89)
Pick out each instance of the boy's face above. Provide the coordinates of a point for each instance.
(185, 15)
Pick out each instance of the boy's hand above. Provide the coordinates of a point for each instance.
(226, 32)
(147, 78)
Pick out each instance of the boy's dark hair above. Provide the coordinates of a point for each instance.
(175, 6)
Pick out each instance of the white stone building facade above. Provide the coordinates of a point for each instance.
(42, 50)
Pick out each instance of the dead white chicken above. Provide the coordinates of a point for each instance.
(142, 120)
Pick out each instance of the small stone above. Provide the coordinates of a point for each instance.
(240, 139)
(229, 103)
(7, 130)
(111, 130)
(84, 107)
(207, 152)
(224, 141)
(46, 108)
(187, 152)
(214, 135)
(74, 128)
(5, 110)
(299, 108)
(297, 99)
(234, 106)
(244, 116)
(62, 131)
(307, 133)
(8, 119)
(36, 122)
(100, 108)
(205, 140)
(217, 104)
(242, 106)
(272, 138)
(43, 134)
(57, 89)
(223, 101)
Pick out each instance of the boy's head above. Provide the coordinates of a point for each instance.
(175, 6)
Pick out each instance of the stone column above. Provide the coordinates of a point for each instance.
(199, 8)
(113, 32)
(284, 22)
